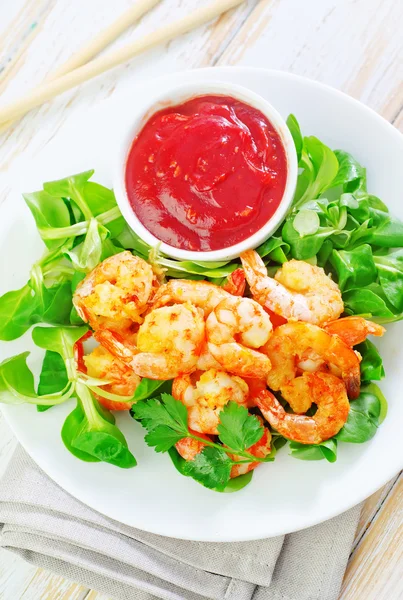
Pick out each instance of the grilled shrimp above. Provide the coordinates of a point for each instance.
(202, 294)
(116, 293)
(207, 361)
(189, 448)
(169, 342)
(299, 291)
(323, 389)
(295, 342)
(206, 394)
(353, 330)
(101, 364)
(235, 329)
(113, 297)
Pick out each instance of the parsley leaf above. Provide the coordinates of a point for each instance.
(238, 429)
(162, 438)
(160, 416)
(211, 467)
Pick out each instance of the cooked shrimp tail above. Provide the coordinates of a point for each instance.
(354, 330)
(236, 283)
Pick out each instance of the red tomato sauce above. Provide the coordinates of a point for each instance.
(206, 174)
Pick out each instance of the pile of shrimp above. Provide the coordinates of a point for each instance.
(284, 346)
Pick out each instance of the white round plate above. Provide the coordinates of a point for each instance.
(283, 496)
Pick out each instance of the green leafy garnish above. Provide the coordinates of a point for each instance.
(238, 429)
(166, 422)
(325, 450)
(363, 419)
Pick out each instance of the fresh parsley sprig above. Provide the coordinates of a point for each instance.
(166, 421)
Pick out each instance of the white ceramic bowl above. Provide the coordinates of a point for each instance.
(177, 95)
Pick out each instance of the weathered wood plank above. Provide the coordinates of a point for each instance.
(338, 42)
(375, 569)
(370, 510)
(57, 42)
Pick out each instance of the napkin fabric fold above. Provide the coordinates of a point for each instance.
(51, 529)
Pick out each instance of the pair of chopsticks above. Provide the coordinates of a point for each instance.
(82, 66)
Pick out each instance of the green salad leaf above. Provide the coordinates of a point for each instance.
(295, 131)
(319, 168)
(363, 419)
(351, 175)
(371, 364)
(16, 310)
(87, 431)
(354, 268)
(17, 384)
(390, 271)
(325, 450)
(53, 377)
(49, 213)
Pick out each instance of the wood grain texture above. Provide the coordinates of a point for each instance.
(337, 42)
(355, 45)
(375, 570)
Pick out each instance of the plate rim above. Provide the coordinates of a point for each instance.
(282, 530)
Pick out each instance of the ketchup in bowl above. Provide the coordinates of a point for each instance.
(206, 174)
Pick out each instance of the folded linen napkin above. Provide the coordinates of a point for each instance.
(51, 529)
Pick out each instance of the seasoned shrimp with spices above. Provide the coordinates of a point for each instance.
(116, 293)
(113, 298)
(295, 342)
(354, 330)
(205, 394)
(203, 294)
(235, 329)
(298, 292)
(323, 389)
(169, 342)
(101, 364)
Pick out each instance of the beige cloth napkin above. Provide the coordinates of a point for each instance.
(51, 529)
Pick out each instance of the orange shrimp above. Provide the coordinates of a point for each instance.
(236, 329)
(236, 283)
(203, 294)
(293, 341)
(323, 389)
(101, 364)
(298, 292)
(206, 394)
(353, 330)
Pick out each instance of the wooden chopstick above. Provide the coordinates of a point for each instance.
(46, 91)
(99, 42)
(104, 37)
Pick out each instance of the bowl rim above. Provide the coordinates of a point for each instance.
(178, 94)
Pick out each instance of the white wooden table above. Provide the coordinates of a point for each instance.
(354, 45)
